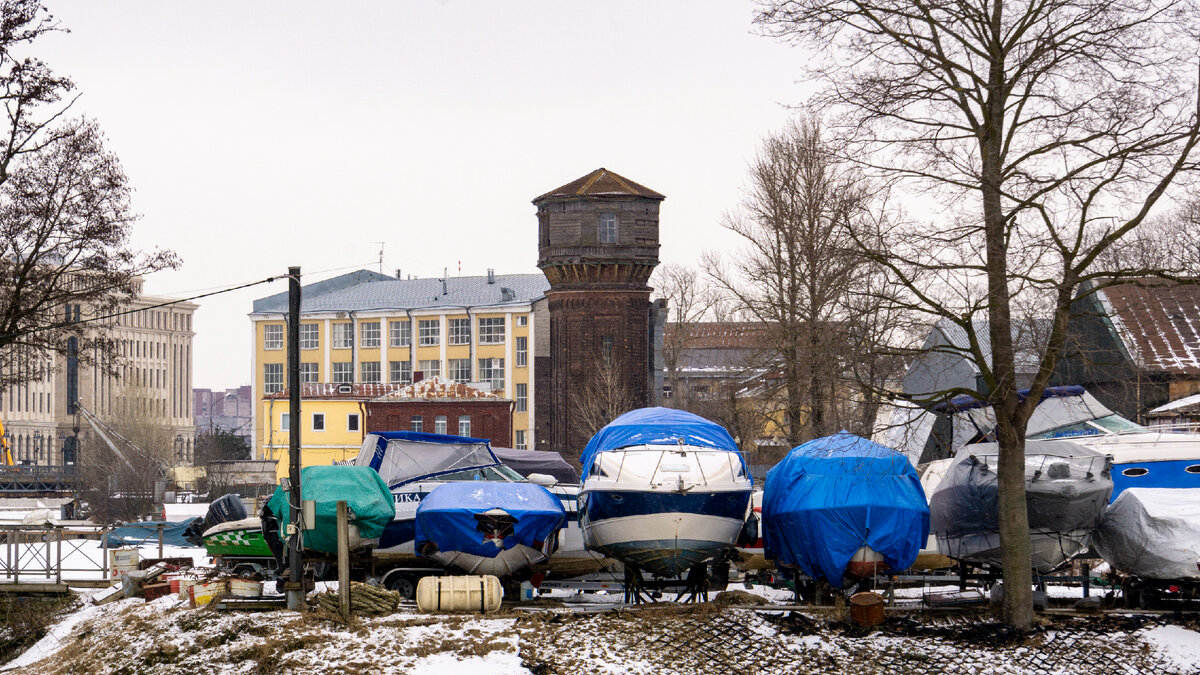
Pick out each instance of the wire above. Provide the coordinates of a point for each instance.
(67, 324)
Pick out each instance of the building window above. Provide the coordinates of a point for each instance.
(522, 352)
(667, 391)
(491, 330)
(522, 320)
(429, 369)
(272, 337)
(309, 372)
(400, 372)
(370, 371)
(399, 333)
(285, 422)
(519, 440)
(352, 422)
(343, 335)
(370, 334)
(429, 332)
(343, 372)
(492, 372)
(416, 423)
(460, 331)
(439, 424)
(459, 370)
(318, 422)
(310, 336)
(608, 228)
(522, 396)
(464, 425)
(272, 377)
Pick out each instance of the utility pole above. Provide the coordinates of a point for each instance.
(295, 585)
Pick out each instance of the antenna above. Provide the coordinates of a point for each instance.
(381, 243)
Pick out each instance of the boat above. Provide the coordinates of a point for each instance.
(414, 464)
(488, 527)
(364, 492)
(1144, 457)
(841, 508)
(1067, 487)
(664, 491)
(1153, 533)
(237, 539)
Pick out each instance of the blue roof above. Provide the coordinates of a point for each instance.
(368, 291)
(658, 426)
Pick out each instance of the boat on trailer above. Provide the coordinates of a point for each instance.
(415, 464)
(1067, 488)
(664, 491)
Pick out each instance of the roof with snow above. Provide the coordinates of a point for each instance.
(1182, 406)
(1158, 321)
(361, 391)
(600, 183)
(364, 291)
(718, 334)
(436, 388)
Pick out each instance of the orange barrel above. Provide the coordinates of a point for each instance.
(866, 609)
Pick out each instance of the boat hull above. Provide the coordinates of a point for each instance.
(240, 538)
(665, 533)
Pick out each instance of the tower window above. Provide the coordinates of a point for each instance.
(608, 228)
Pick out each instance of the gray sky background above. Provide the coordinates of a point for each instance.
(267, 134)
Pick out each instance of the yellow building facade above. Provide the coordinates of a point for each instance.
(367, 328)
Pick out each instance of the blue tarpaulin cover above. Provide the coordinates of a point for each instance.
(659, 426)
(831, 496)
(136, 534)
(453, 517)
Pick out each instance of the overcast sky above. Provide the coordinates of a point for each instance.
(262, 135)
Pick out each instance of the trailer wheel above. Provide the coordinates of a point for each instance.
(404, 584)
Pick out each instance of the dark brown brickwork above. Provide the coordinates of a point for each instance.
(490, 419)
(598, 297)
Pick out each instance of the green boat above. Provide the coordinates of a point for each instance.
(237, 538)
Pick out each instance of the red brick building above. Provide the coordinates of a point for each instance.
(437, 405)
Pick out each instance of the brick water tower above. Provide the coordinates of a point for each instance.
(597, 245)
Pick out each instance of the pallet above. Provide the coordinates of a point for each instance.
(250, 604)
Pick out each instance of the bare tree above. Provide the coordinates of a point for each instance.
(688, 300)
(797, 267)
(120, 487)
(1045, 131)
(603, 397)
(65, 217)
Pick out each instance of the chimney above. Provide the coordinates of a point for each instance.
(491, 276)
(444, 291)
(398, 273)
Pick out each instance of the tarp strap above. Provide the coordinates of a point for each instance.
(482, 602)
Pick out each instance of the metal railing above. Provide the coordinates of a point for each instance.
(38, 553)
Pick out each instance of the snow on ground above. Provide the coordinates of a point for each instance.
(1179, 645)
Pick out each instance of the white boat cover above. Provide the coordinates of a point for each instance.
(1153, 533)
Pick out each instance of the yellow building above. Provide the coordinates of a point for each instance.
(369, 328)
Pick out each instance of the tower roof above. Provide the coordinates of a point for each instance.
(600, 183)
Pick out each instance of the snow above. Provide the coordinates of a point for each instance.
(1177, 644)
(491, 664)
(1178, 403)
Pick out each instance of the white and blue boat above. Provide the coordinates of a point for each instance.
(663, 491)
(489, 527)
(1143, 457)
(414, 464)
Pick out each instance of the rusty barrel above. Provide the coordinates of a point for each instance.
(866, 609)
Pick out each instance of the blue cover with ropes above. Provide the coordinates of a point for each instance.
(659, 426)
(138, 534)
(455, 517)
(831, 496)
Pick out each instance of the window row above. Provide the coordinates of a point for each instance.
(490, 370)
(317, 422)
(429, 333)
(417, 423)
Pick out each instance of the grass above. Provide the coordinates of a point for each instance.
(25, 620)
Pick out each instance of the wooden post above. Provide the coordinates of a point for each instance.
(295, 585)
(160, 540)
(343, 552)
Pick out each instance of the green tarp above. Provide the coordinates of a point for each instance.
(360, 487)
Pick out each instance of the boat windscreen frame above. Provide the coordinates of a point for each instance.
(396, 441)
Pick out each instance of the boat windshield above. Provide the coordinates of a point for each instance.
(404, 460)
(498, 472)
(1108, 424)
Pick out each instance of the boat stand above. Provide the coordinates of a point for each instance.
(697, 585)
(635, 587)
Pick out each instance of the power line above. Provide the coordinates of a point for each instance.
(67, 324)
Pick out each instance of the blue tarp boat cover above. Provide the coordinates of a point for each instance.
(453, 517)
(831, 496)
(136, 534)
(650, 426)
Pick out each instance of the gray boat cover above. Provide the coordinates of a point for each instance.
(526, 462)
(1067, 487)
(1152, 533)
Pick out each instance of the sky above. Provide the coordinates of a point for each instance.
(268, 134)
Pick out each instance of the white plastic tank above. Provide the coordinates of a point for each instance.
(474, 593)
